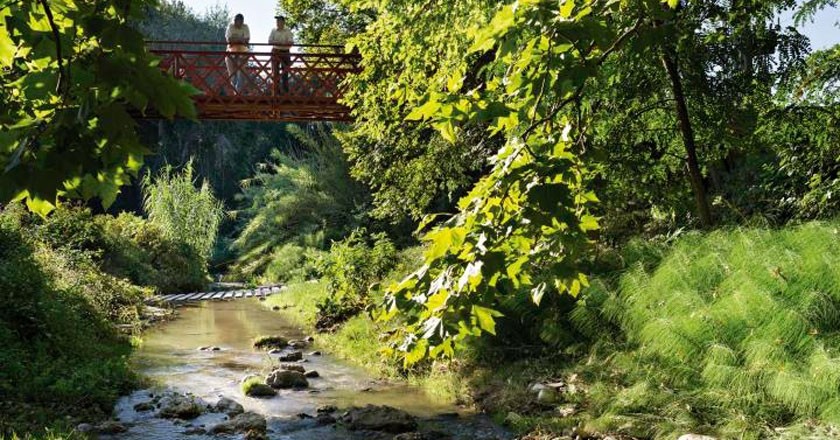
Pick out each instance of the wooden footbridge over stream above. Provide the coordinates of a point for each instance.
(303, 85)
(222, 295)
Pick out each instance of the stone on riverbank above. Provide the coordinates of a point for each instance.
(311, 374)
(293, 367)
(291, 356)
(286, 379)
(242, 423)
(177, 406)
(379, 418)
(110, 427)
(228, 406)
(255, 387)
(270, 342)
(144, 406)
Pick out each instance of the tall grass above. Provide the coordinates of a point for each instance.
(184, 212)
(734, 332)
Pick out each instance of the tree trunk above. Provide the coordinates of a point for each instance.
(669, 61)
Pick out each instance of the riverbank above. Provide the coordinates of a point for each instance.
(676, 341)
(357, 341)
(500, 390)
(73, 288)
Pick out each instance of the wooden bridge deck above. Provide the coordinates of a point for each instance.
(259, 292)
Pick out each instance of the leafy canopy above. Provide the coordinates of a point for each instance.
(73, 75)
(523, 228)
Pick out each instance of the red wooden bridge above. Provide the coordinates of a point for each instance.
(304, 85)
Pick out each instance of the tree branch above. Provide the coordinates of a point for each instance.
(61, 84)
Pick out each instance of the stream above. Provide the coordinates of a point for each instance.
(170, 359)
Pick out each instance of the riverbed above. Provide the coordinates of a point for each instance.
(170, 358)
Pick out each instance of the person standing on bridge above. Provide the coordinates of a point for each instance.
(238, 36)
(281, 38)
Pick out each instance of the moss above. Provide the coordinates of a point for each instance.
(256, 387)
(270, 342)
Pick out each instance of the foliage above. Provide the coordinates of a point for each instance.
(322, 21)
(75, 72)
(125, 246)
(523, 227)
(182, 211)
(59, 349)
(351, 268)
(737, 325)
(172, 20)
(409, 49)
(300, 200)
(293, 262)
(139, 251)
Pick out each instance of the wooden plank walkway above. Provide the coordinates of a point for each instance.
(259, 292)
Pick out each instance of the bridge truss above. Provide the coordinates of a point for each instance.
(308, 85)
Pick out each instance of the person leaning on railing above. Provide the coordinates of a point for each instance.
(281, 39)
(237, 35)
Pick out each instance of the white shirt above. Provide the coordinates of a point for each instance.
(281, 38)
(239, 34)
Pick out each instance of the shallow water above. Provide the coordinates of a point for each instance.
(170, 358)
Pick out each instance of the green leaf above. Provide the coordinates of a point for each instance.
(417, 353)
(485, 318)
(447, 131)
(7, 46)
(589, 223)
(39, 206)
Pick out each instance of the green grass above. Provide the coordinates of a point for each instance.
(734, 333)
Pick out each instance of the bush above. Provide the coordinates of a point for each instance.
(300, 199)
(59, 350)
(139, 250)
(292, 262)
(183, 212)
(351, 268)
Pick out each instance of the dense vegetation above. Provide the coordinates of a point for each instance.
(73, 287)
(636, 199)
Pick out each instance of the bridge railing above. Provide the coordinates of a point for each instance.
(244, 85)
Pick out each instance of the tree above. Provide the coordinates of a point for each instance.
(323, 21)
(77, 73)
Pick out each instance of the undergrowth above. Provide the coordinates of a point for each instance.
(734, 333)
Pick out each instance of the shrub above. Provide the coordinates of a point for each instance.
(300, 198)
(140, 251)
(352, 266)
(183, 212)
(59, 350)
(115, 299)
(292, 262)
